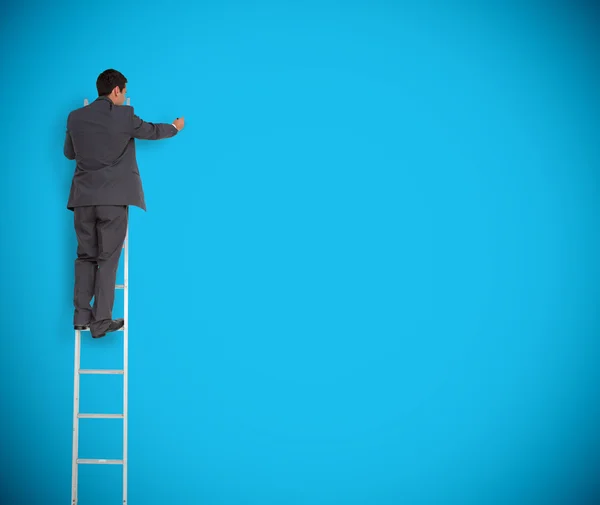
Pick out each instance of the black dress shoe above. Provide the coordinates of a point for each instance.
(82, 327)
(115, 324)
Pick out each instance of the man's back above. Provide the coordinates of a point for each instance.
(101, 138)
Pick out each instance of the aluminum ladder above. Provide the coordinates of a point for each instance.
(77, 375)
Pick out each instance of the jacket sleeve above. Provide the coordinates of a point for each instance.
(68, 149)
(141, 129)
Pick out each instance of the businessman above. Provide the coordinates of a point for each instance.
(101, 138)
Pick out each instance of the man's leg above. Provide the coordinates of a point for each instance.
(112, 227)
(85, 264)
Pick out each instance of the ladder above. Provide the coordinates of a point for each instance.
(77, 375)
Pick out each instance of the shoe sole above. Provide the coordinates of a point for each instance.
(105, 333)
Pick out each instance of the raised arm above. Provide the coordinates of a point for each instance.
(141, 129)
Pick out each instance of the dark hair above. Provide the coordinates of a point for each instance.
(108, 80)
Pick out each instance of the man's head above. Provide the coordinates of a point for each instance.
(112, 84)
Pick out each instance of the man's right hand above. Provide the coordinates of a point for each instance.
(179, 123)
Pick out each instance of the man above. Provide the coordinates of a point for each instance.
(101, 138)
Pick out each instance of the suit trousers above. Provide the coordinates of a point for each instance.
(101, 231)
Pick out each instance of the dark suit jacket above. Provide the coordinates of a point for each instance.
(101, 138)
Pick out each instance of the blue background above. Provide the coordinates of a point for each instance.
(368, 273)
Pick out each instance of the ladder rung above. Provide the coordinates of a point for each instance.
(119, 286)
(101, 372)
(100, 416)
(100, 461)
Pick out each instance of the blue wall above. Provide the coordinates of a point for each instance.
(368, 274)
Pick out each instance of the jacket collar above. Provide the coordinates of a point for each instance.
(105, 99)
